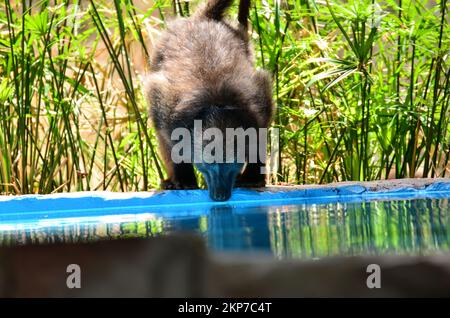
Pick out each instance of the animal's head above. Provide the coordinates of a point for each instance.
(223, 138)
(228, 134)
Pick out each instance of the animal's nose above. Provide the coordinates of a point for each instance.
(220, 194)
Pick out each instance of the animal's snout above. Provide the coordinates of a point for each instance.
(220, 193)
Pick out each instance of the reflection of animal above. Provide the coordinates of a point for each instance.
(202, 69)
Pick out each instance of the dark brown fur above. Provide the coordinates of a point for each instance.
(203, 68)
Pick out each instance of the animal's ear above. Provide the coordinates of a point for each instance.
(157, 92)
(263, 104)
(153, 83)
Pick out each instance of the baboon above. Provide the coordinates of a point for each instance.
(203, 69)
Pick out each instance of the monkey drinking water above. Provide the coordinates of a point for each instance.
(202, 70)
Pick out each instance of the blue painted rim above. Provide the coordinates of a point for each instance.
(192, 202)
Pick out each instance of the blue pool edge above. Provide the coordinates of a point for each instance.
(104, 202)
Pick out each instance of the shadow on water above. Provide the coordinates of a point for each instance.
(419, 226)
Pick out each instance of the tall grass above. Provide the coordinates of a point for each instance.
(72, 112)
(361, 88)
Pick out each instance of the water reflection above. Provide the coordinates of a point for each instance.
(383, 227)
(229, 228)
(418, 226)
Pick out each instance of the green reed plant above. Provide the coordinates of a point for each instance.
(66, 125)
(356, 79)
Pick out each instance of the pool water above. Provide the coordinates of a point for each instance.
(293, 230)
